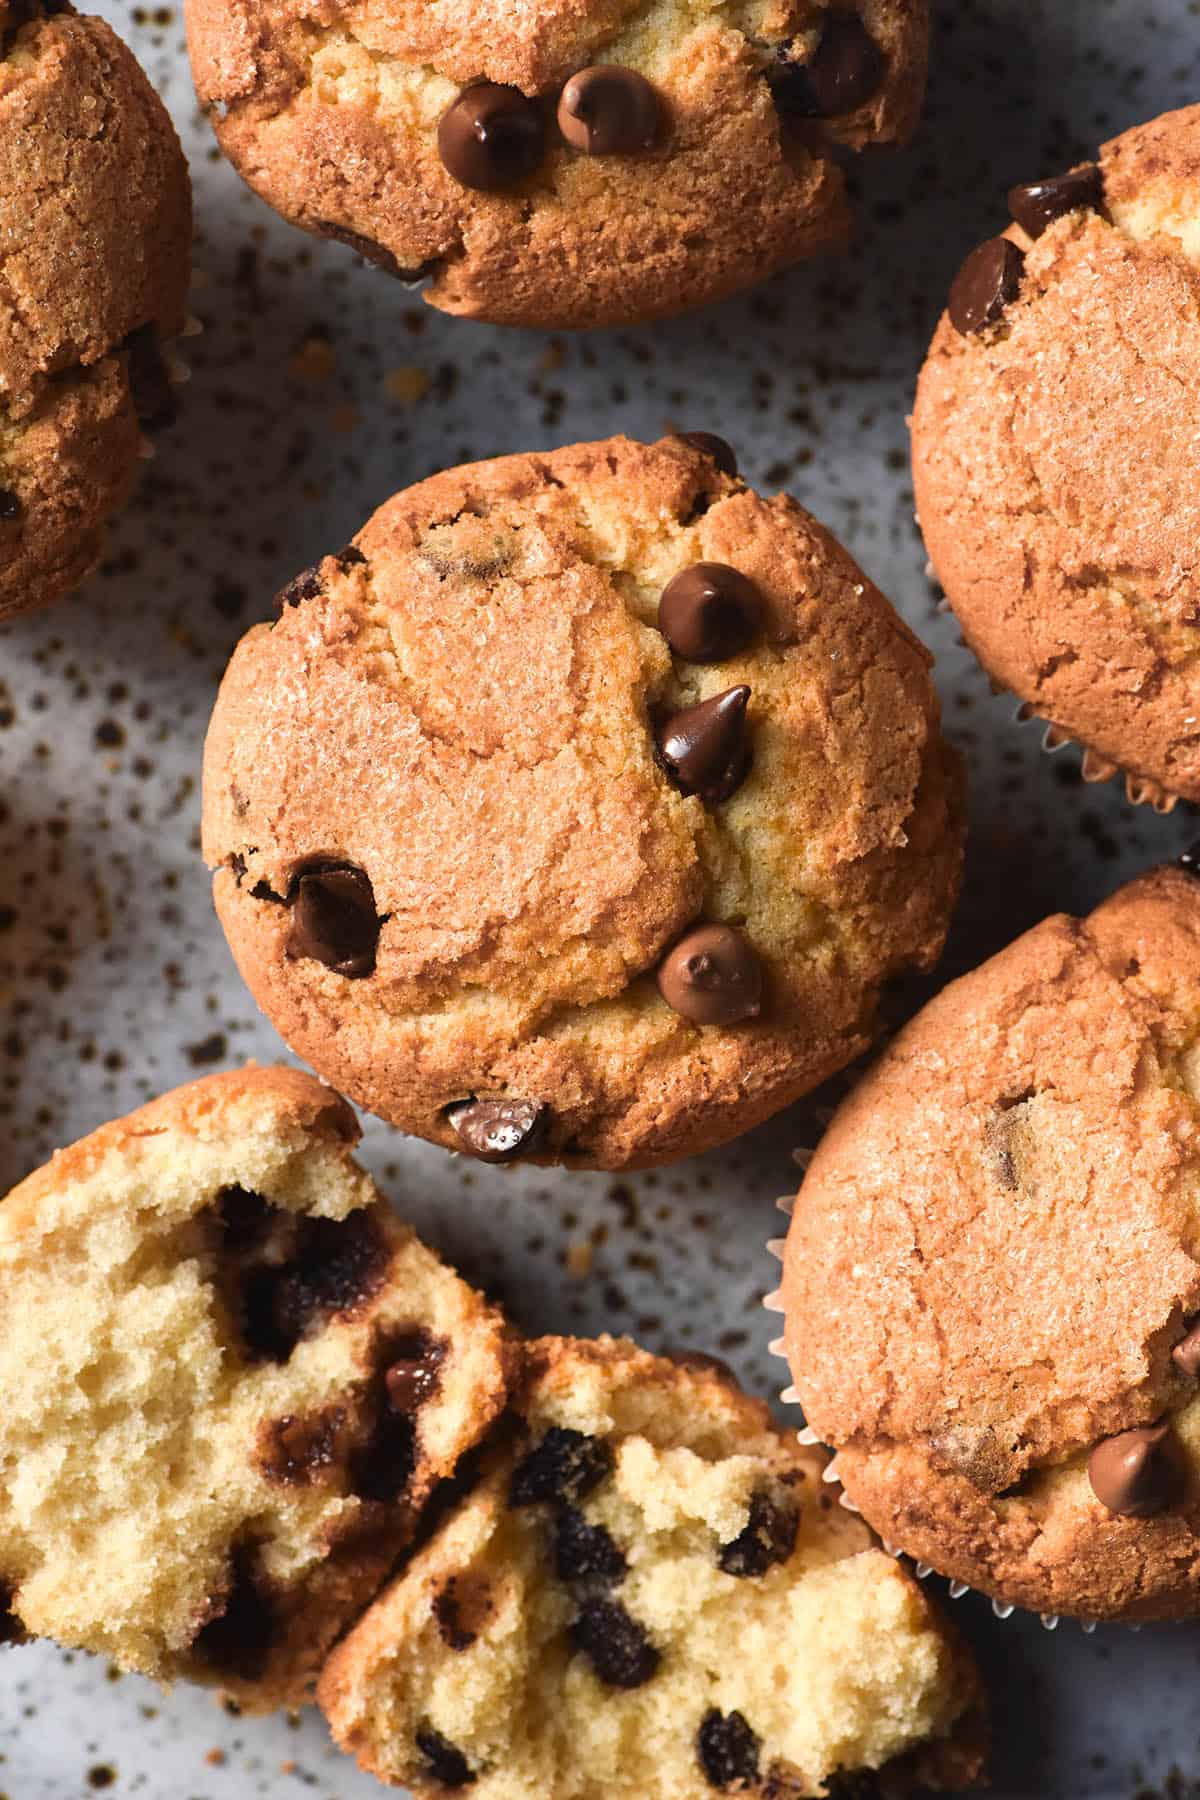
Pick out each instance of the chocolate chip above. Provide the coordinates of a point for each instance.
(565, 1466)
(336, 1266)
(305, 586)
(245, 1217)
(768, 1537)
(987, 282)
(369, 250)
(334, 919)
(10, 505)
(349, 558)
(381, 1468)
(709, 612)
(1186, 1354)
(616, 1646)
(238, 1639)
(1189, 859)
(1037, 204)
(408, 1375)
(714, 447)
(728, 1750)
(1138, 1473)
(299, 1448)
(704, 747)
(712, 977)
(608, 110)
(460, 1609)
(497, 1130)
(491, 137)
(845, 69)
(149, 385)
(583, 1551)
(413, 1372)
(443, 1761)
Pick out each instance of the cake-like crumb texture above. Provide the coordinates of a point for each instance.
(995, 1253)
(462, 706)
(95, 219)
(650, 1596)
(332, 115)
(1054, 467)
(233, 1379)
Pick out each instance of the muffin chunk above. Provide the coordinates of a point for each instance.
(566, 162)
(232, 1381)
(650, 1596)
(95, 218)
(1054, 454)
(991, 1277)
(580, 808)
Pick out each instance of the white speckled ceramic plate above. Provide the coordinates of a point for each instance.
(319, 388)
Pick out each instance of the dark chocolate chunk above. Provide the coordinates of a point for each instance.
(709, 612)
(10, 505)
(609, 110)
(583, 1551)
(728, 1751)
(988, 281)
(1186, 1354)
(334, 919)
(1036, 204)
(705, 748)
(153, 396)
(714, 447)
(443, 1761)
(564, 1467)
(768, 1537)
(845, 70)
(497, 1130)
(299, 1449)
(240, 1636)
(1138, 1473)
(616, 1645)
(491, 137)
(712, 976)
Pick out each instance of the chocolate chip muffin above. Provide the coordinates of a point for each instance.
(566, 162)
(581, 806)
(991, 1278)
(232, 1381)
(1055, 463)
(95, 217)
(651, 1595)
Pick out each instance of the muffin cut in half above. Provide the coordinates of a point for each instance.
(651, 1595)
(232, 1379)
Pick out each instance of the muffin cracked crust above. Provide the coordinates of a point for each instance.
(529, 866)
(1054, 456)
(95, 219)
(232, 1381)
(992, 1276)
(651, 1595)
(560, 164)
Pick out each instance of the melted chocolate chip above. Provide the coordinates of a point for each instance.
(381, 1468)
(367, 248)
(305, 586)
(408, 1373)
(987, 283)
(709, 612)
(1037, 204)
(1186, 1354)
(239, 1638)
(854, 1784)
(1138, 1473)
(10, 505)
(334, 919)
(153, 396)
(245, 1218)
(497, 1130)
(460, 1608)
(616, 1645)
(412, 1374)
(704, 747)
(336, 1265)
(728, 1750)
(768, 1537)
(443, 1762)
(491, 137)
(609, 110)
(712, 977)
(299, 1449)
(714, 447)
(583, 1551)
(564, 1467)
(845, 70)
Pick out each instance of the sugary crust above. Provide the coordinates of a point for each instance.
(994, 1252)
(476, 693)
(1053, 465)
(95, 218)
(330, 114)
